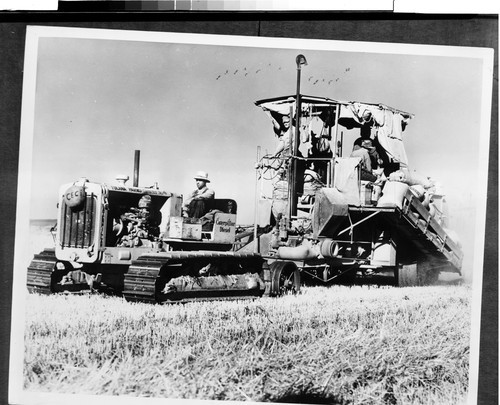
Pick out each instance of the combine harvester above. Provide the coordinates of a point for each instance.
(335, 219)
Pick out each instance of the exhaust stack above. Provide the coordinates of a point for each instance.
(137, 159)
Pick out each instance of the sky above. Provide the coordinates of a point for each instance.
(190, 107)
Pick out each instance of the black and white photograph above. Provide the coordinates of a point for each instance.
(239, 218)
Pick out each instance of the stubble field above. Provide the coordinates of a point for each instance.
(341, 345)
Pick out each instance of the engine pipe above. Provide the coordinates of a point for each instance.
(327, 248)
(296, 253)
(137, 158)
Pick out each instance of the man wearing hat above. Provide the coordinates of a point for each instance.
(372, 151)
(362, 149)
(194, 205)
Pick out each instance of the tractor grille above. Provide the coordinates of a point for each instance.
(78, 224)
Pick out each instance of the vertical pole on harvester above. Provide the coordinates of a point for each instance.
(335, 143)
(256, 246)
(300, 60)
(137, 158)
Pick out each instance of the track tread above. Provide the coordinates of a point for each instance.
(40, 271)
(141, 278)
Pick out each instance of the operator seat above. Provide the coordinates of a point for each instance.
(226, 205)
(214, 206)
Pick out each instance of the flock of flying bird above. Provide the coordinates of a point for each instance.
(245, 72)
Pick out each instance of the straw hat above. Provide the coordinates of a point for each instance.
(367, 144)
(202, 176)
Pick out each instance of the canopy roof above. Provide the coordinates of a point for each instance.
(284, 103)
(390, 122)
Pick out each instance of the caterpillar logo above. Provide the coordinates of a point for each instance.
(225, 224)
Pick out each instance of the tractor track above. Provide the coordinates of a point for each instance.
(142, 282)
(140, 279)
(148, 274)
(40, 272)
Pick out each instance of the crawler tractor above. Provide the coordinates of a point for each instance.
(134, 241)
(334, 220)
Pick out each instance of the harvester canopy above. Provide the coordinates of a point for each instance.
(388, 122)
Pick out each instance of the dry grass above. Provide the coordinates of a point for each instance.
(340, 345)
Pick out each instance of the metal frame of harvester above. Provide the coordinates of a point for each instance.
(344, 234)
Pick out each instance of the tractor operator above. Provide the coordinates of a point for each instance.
(195, 203)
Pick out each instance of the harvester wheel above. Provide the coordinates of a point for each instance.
(416, 274)
(431, 278)
(427, 273)
(406, 275)
(285, 278)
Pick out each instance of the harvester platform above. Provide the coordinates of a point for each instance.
(417, 224)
